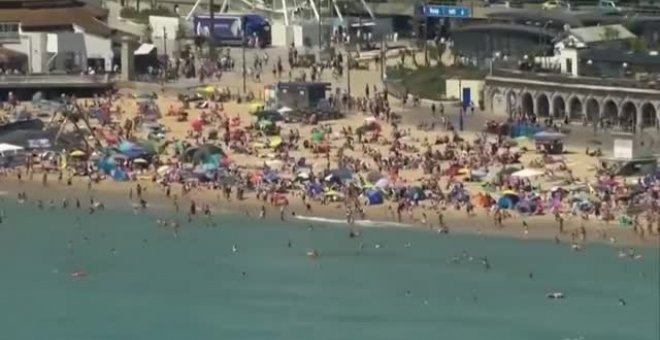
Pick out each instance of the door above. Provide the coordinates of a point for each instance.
(467, 97)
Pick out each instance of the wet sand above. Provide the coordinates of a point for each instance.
(115, 195)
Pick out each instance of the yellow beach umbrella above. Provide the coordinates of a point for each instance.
(509, 192)
(275, 142)
(207, 89)
(256, 107)
(77, 153)
(331, 193)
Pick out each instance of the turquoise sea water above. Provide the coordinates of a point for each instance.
(155, 286)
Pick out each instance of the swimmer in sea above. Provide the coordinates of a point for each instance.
(289, 244)
(234, 248)
(485, 262)
(622, 302)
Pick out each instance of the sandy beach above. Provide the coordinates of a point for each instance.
(411, 141)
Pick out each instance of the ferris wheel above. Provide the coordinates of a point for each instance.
(288, 10)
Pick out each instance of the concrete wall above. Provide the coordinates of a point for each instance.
(454, 89)
(35, 46)
(569, 61)
(50, 51)
(281, 35)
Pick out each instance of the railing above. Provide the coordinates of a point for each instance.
(64, 78)
(9, 37)
(565, 79)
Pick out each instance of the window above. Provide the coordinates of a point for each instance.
(9, 30)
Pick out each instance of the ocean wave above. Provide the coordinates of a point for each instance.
(362, 223)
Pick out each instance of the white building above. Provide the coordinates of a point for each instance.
(57, 35)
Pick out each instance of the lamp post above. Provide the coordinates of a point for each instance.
(348, 75)
(244, 39)
(211, 30)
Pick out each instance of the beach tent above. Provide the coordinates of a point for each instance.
(318, 136)
(375, 197)
(547, 136)
(508, 200)
(382, 183)
(10, 149)
(342, 174)
(201, 154)
(131, 150)
(416, 193)
(119, 175)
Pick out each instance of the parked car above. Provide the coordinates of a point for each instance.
(555, 4)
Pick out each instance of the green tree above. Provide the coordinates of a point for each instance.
(638, 45)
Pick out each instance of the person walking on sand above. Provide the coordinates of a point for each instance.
(262, 212)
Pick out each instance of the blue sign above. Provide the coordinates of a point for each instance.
(441, 11)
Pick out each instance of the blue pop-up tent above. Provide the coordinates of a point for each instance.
(375, 197)
(131, 150)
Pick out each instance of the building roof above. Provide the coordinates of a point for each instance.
(617, 56)
(89, 18)
(537, 15)
(507, 28)
(594, 34)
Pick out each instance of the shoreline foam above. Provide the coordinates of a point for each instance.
(116, 195)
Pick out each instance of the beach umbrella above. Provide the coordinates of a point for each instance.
(207, 90)
(77, 153)
(197, 124)
(140, 161)
(274, 163)
(382, 183)
(275, 142)
(302, 175)
(285, 110)
(265, 123)
(548, 136)
(509, 193)
(162, 170)
(318, 136)
(527, 173)
(255, 107)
